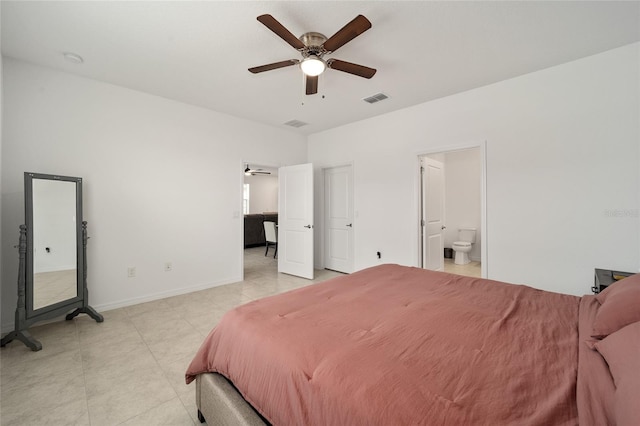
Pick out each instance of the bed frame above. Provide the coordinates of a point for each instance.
(220, 403)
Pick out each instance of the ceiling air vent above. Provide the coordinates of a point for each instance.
(295, 123)
(376, 98)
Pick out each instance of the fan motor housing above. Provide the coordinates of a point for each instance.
(313, 40)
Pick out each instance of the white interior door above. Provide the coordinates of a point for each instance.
(338, 219)
(433, 214)
(295, 220)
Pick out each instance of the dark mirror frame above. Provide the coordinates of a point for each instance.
(25, 314)
(35, 314)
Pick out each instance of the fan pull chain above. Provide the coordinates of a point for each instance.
(304, 88)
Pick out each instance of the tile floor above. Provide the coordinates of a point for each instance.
(471, 269)
(128, 370)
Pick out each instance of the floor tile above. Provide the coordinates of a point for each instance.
(54, 394)
(189, 401)
(204, 322)
(55, 337)
(115, 399)
(73, 413)
(160, 326)
(119, 359)
(471, 269)
(174, 372)
(170, 413)
(176, 347)
(31, 371)
(107, 333)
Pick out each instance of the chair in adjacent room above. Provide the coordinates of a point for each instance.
(271, 236)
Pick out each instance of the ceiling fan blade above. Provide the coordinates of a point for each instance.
(312, 85)
(350, 31)
(273, 66)
(355, 69)
(275, 26)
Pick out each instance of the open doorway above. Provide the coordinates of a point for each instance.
(452, 210)
(259, 204)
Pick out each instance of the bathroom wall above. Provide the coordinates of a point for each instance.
(462, 174)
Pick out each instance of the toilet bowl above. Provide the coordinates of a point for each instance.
(462, 249)
(466, 237)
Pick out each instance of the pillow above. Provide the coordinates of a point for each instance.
(613, 288)
(620, 306)
(621, 350)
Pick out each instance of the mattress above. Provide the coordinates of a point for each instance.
(401, 345)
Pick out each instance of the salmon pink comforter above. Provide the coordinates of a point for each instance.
(394, 345)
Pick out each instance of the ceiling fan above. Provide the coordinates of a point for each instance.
(313, 46)
(253, 172)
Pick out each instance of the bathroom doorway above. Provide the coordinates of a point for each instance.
(452, 194)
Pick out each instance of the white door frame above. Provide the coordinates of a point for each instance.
(482, 145)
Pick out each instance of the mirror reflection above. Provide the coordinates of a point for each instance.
(54, 242)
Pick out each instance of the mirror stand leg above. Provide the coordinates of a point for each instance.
(25, 337)
(20, 332)
(86, 310)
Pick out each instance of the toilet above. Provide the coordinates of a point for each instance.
(466, 238)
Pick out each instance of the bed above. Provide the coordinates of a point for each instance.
(400, 345)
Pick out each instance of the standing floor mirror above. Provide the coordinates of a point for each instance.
(52, 271)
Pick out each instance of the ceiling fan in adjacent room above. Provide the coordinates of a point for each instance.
(253, 172)
(313, 47)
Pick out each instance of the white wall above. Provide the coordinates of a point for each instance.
(162, 181)
(562, 154)
(263, 193)
(462, 177)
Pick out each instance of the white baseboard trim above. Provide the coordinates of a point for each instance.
(9, 327)
(162, 295)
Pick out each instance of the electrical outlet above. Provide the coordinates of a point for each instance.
(131, 271)
(168, 267)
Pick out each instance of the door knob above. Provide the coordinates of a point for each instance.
(444, 227)
(350, 225)
(308, 226)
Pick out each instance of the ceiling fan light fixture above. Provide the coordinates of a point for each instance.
(313, 66)
(313, 47)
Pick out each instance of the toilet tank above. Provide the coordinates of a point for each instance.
(467, 234)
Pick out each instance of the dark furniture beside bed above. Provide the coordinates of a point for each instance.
(254, 230)
(605, 277)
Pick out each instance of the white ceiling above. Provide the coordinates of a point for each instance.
(199, 52)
